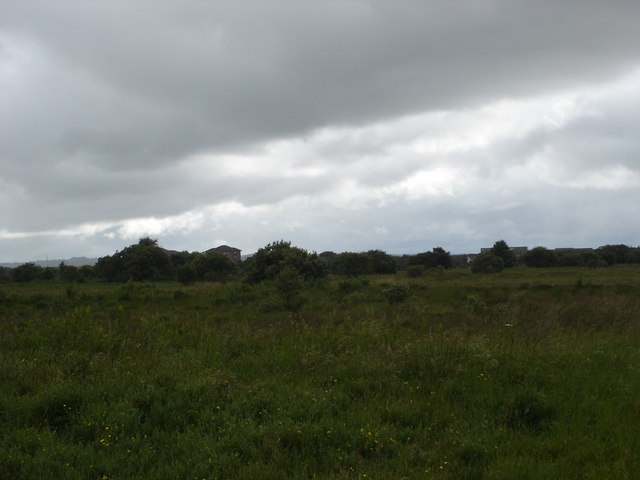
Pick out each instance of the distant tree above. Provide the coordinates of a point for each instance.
(314, 268)
(327, 260)
(147, 261)
(381, 262)
(540, 257)
(213, 266)
(186, 273)
(181, 258)
(487, 262)
(591, 260)
(441, 258)
(111, 267)
(26, 272)
(502, 250)
(353, 264)
(403, 261)
(142, 261)
(634, 255)
(437, 257)
(614, 254)
(568, 259)
(147, 242)
(5, 274)
(269, 261)
(68, 273)
(86, 271)
(49, 273)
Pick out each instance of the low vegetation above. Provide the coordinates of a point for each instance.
(530, 373)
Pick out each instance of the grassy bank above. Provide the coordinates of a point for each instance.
(528, 374)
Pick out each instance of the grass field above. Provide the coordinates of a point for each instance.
(527, 374)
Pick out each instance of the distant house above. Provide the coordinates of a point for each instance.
(231, 252)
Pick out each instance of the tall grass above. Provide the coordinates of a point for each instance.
(527, 374)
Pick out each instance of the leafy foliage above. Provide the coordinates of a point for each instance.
(269, 261)
(437, 257)
(502, 250)
(540, 257)
(26, 272)
(397, 294)
(352, 264)
(139, 262)
(212, 266)
(186, 273)
(487, 262)
(381, 262)
(615, 254)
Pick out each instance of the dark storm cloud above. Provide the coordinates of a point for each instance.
(202, 75)
(118, 110)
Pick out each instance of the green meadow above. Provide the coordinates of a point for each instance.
(524, 374)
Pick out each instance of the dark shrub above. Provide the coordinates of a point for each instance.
(502, 250)
(437, 257)
(270, 260)
(140, 262)
(381, 262)
(213, 266)
(353, 264)
(186, 274)
(26, 272)
(540, 257)
(487, 263)
(396, 294)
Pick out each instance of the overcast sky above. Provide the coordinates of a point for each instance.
(338, 125)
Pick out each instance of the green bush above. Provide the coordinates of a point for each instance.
(396, 294)
(186, 273)
(487, 263)
(26, 272)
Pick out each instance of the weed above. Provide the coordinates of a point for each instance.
(477, 304)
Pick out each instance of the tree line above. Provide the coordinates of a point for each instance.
(500, 256)
(147, 261)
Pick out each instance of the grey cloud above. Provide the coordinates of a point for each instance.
(280, 68)
(106, 102)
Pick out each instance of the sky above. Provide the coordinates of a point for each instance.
(342, 125)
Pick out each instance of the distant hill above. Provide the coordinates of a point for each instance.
(54, 262)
